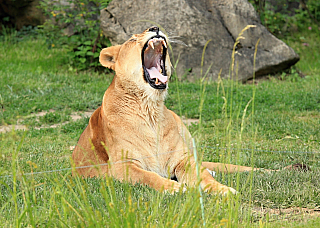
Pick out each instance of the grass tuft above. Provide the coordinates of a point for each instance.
(270, 124)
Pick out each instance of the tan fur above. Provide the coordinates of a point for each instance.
(133, 130)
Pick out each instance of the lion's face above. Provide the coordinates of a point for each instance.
(142, 62)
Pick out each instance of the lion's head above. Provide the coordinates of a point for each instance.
(141, 63)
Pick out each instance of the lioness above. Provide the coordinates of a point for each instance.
(133, 130)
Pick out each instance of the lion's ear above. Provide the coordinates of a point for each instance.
(108, 56)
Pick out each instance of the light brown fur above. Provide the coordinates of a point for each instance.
(133, 130)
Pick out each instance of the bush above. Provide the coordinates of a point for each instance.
(284, 16)
(75, 25)
(12, 35)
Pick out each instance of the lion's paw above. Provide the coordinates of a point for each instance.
(221, 189)
(173, 187)
(229, 189)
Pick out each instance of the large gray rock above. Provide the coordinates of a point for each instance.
(196, 22)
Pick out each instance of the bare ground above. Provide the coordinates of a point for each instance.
(74, 116)
(287, 214)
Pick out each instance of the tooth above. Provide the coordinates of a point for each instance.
(151, 44)
(160, 70)
(164, 43)
(157, 81)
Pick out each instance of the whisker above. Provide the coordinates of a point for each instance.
(170, 37)
(178, 42)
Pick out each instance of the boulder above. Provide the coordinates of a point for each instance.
(191, 24)
(19, 13)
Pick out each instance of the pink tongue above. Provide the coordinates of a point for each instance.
(154, 73)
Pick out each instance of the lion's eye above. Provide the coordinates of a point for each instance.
(154, 29)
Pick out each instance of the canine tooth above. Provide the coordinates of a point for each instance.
(157, 81)
(164, 43)
(151, 44)
(160, 70)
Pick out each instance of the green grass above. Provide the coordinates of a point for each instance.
(34, 78)
(279, 130)
(307, 45)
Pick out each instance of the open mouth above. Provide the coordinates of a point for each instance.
(153, 62)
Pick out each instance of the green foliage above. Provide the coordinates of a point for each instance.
(35, 78)
(53, 118)
(274, 21)
(291, 74)
(280, 19)
(11, 35)
(75, 25)
(314, 8)
(285, 116)
(307, 45)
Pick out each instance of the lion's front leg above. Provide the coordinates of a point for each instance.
(132, 173)
(187, 174)
(208, 183)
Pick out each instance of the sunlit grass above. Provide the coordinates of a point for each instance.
(307, 45)
(285, 121)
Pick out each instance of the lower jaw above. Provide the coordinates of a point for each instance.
(150, 82)
(158, 87)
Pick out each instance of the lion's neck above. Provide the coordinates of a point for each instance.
(152, 110)
(148, 105)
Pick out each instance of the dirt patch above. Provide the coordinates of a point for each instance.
(188, 122)
(74, 117)
(293, 213)
(7, 128)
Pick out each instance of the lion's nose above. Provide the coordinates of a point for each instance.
(154, 29)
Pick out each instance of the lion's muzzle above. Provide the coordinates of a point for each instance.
(153, 62)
